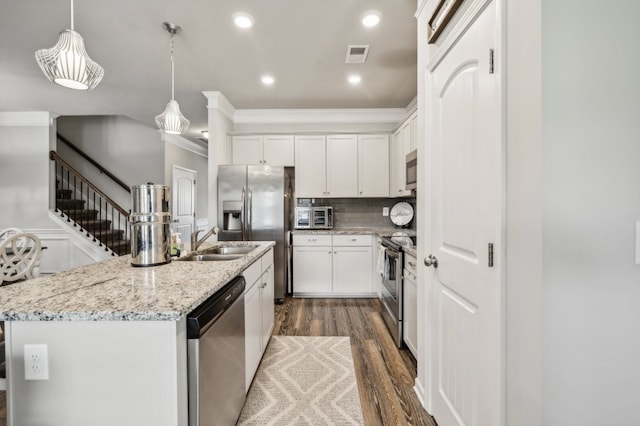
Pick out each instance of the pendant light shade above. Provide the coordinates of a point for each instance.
(68, 64)
(171, 121)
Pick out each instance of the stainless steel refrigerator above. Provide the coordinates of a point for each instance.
(255, 204)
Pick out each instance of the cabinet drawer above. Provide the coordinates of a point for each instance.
(311, 240)
(252, 273)
(352, 240)
(267, 260)
(410, 264)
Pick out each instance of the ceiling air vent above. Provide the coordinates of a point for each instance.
(357, 54)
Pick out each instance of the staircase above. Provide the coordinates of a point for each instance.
(87, 221)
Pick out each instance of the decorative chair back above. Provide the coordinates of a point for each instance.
(19, 256)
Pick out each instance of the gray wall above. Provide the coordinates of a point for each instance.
(590, 164)
(360, 212)
(24, 176)
(133, 152)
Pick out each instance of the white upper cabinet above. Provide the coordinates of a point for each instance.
(247, 149)
(373, 165)
(311, 170)
(278, 150)
(270, 150)
(342, 166)
(401, 144)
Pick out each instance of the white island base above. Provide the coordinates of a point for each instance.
(100, 373)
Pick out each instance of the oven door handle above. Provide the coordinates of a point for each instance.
(392, 253)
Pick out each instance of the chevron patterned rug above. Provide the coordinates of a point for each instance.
(304, 381)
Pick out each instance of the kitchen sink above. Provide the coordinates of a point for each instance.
(208, 257)
(220, 253)
(229, 250)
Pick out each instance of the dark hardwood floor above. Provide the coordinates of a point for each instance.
(385, 374)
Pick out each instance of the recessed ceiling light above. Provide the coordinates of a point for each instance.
(354, 79)
(205, 134)
(267, 80)
(242, 20)
(371, 18)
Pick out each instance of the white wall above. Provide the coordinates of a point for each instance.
(591, 201)
(132, 151)
(25, 141)
(523, 273)
(24, 169)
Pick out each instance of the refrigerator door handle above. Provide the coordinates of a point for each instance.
(242, 215)
(250, 216)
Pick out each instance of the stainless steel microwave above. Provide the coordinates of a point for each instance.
(411, 170)
(314, 217)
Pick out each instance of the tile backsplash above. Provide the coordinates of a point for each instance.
(359, 212)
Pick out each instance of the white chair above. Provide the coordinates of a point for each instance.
(19, 257)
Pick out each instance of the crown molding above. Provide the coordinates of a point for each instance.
(319, 116)
(185, 144)
(27, 118)
(219, 101)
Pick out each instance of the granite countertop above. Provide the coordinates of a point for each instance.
(113, 290)
(412, 250)
(381, 232)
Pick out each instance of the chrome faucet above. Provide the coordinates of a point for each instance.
(195, 243)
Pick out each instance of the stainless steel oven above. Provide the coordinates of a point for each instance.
(392, 289)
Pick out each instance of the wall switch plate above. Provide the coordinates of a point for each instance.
(385, 211)
(36, 362)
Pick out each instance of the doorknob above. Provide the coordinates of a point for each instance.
(431, 260)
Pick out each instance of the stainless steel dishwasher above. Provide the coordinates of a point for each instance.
(216, 360)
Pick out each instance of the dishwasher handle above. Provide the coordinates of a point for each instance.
(205, 315)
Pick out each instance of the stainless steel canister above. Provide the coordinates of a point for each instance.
(150, 225)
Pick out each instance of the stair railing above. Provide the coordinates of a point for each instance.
(91, 210)
(93, 162)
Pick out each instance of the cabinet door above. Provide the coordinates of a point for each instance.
(414, 132)
(278, 150)
(400, 144)
(267, 308)
(310, 170)
(373, 166)
(312, 269)
(410, 307)
(253, 332)
(342, 166)
(352, 270)
(247, 150)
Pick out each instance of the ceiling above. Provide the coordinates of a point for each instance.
(302, 43)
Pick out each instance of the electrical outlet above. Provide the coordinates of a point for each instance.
(36, 362)
(385, 211)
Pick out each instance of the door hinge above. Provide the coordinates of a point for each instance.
(490, 262)
(491, 69)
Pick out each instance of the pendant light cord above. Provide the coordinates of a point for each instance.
(173, 96)
(71, 2)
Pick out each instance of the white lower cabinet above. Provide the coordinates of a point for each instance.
(258, 312)
(410, 305)
(332, 266)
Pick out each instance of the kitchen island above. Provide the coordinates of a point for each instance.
(115, 337)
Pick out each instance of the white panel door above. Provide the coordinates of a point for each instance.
(373, 165)
(342, 166)
(184, 202)
(465, 136)
(278, 150)
(310, 171)
(247, 150)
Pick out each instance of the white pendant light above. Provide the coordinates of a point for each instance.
(68, 64)
(172, 121)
